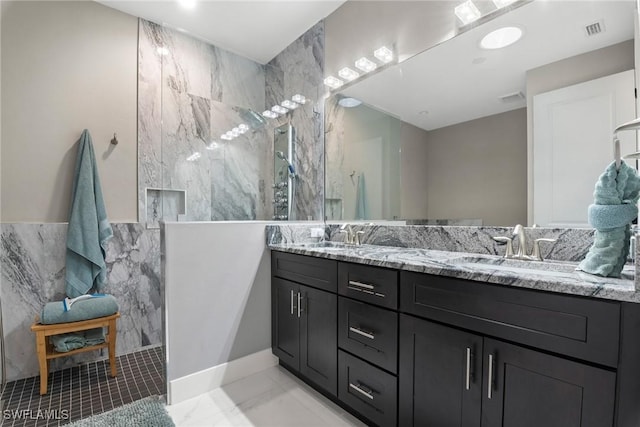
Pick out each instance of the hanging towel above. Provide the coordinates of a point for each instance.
(360, 205)
(89, 228)
(615, 198)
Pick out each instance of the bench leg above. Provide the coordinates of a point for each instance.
(112, 347)
(41, 348)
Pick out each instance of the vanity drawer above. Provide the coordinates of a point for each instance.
(367, 389)
(374, 285)
(317, 272)
(585, 328)
(369, 332)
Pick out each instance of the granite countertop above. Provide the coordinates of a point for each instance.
(548, 275)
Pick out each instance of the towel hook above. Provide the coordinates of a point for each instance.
(114, 140)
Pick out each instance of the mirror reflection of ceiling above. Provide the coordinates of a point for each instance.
(427, 89)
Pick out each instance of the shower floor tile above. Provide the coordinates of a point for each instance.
(82, 391)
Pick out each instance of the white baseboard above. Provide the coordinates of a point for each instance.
(195, 384)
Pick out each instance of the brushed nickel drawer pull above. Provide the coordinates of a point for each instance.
(490, 379)
(291, 301)
(361, 285)
(468, 379)
(367, 393)
(361, 332)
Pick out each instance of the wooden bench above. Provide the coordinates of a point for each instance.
(46, 351)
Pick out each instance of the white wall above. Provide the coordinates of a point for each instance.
(413, 172)
(217, 296)
(577, 69)
(66, 66)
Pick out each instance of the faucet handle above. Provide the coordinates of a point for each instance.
(356, 237)
(536, 248)
(508, 253)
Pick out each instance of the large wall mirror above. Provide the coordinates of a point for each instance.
(446, 137)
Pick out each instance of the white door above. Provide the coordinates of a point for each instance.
(573, 144)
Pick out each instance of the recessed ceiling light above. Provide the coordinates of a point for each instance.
(333, 82)
(502, 37)
(467, 12)
(365, 65)
(383, 54)
(187, 4)
(348, 74)
(163, 51)
(349, 102)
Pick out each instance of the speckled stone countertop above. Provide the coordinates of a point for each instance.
(552, 276)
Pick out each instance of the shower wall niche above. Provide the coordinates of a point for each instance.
(201, 127)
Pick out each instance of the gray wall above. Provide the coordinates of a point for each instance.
(477, 169)
(66, 66)
(414, 155)
(577, 69)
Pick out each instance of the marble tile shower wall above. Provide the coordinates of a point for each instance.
(32, 259)
(191, 92)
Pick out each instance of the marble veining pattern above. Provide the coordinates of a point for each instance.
(468, 266)
(464, 252)
(194, 92)
(32, 261)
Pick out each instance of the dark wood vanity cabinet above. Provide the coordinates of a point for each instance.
(303, 321)
(413, 349)
(453, 377)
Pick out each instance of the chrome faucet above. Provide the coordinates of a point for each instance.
(518, 231)
(521, 254)
(352, 237)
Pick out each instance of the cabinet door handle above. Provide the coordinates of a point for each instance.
(299, 303)
(468, 379)
(292, 301)
(360, 389)
(361, 332)
(490, 377)
(361, 285)
(364, 287)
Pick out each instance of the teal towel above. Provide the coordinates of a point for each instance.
(614, 189)
(53, 312)
(66, 342)
(360, 202)
(606, 217)
(89, 228)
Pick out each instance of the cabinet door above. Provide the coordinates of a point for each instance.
(319, 337)
(526, 388)
(440, 375)
(285, 329)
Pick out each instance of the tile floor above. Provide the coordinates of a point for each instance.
(271, 398)
(82, 391)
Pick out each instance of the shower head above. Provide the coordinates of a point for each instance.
(282, 157)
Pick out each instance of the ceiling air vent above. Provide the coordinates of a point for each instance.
(512, 97)
(595, 28)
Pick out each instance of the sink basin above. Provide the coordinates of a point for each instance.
(544, 268)
(516, 264)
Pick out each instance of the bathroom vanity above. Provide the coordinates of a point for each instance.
(418, 338)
